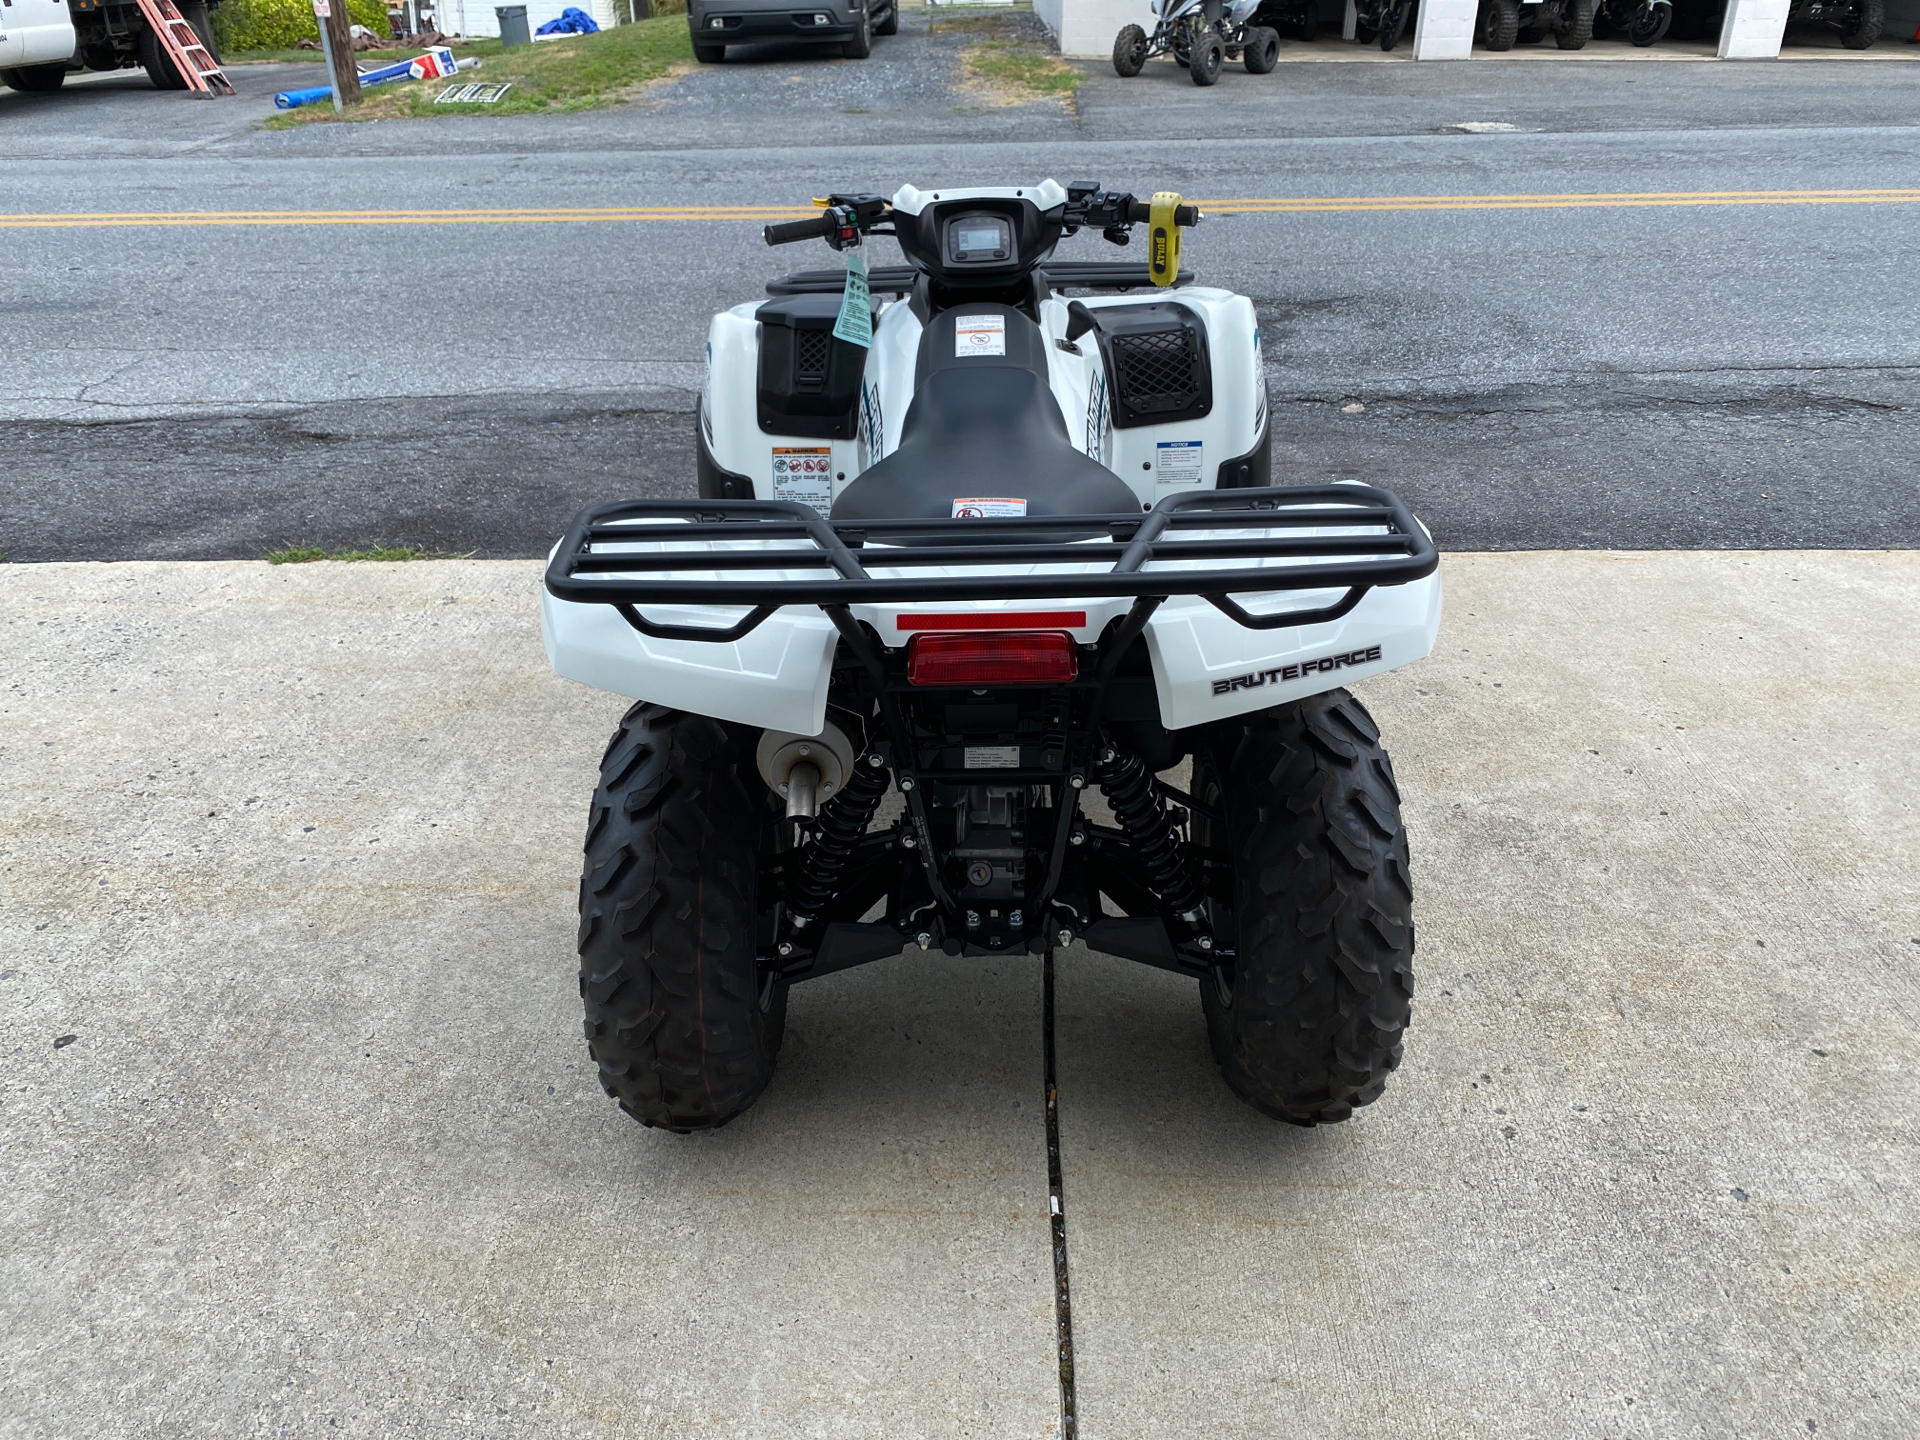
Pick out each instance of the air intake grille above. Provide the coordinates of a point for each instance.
(810, 353)
(1158, 372)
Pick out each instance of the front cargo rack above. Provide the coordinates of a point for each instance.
(764, 554)
(1059, 274)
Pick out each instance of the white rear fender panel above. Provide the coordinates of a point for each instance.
(1207, 666)
(774, 677)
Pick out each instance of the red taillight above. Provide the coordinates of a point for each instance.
(1018, 657)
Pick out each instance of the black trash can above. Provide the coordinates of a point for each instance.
(513, 25)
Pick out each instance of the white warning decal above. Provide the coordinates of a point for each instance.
(804, 475)
(1178, 462)
(988, 507)
(980, 335)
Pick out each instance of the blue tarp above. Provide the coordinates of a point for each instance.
(572, 21)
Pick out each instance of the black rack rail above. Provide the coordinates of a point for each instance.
(1060, 275)
(762, 541)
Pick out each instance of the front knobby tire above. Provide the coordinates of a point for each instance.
(1307, 1023)
(1209, 54)
(1860, 29)
(682, 1025)
(1500, 24)
(1576, 25)
(1129, 51)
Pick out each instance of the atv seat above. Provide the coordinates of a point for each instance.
(983, 426)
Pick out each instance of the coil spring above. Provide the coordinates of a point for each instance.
(836, 834)
(1129, 790)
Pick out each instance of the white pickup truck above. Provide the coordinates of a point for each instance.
(41, 40)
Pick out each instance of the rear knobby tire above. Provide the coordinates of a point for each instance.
(1308, 1022)
(679, 1020)
(1263, 50)
(1500, 24)
(1209, 54)
(1576, 25)
(1129, 51)
(1860, 29)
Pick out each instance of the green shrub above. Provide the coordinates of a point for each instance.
(242, 25)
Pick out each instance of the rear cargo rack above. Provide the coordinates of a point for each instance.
(1060, 275)
(764, 554)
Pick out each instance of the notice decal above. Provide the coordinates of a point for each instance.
(1178, 462)
(805, 475)
(980, 335)
(987, 507)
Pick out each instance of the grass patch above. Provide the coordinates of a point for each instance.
(582, 72)
(1017, 72)
(374, 550)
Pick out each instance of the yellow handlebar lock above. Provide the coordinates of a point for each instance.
(1163, 238)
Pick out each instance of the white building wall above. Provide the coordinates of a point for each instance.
(1086, 28)
(1443, 29)
(475, 17)
(1752, 29)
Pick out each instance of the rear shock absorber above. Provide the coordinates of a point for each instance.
(1129, 790)
(836, 835)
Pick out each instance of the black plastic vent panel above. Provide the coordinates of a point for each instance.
(1158, 373)
(1157, 361)
(810, 354)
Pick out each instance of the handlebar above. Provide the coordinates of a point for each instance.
(790, 231)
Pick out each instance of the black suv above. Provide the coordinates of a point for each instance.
(850, 24)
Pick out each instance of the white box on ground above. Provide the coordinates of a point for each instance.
(1086, 28)
(1443, 29)
(1753, 29)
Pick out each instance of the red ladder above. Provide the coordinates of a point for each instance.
(191, 59)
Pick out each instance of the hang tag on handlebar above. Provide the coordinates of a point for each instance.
(1163, 238)
(855, 323)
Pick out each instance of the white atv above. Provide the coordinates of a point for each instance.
(1017, 548)
(1201, 35)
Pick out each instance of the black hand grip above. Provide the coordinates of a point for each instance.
(1142, 210)
(792, 230)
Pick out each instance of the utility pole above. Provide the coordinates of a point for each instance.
(336, 40)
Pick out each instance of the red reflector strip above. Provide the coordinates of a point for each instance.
(1014, 658)
(996, 620)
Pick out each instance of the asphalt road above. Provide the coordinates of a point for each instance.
(1633, 377)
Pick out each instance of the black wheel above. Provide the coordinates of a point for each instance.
(890, 25)
(1863, 26)
(35, 77)
(1306, 1018)
(861, 45)
(1576, 24)
(1262, 51)
(1209, 54)
(1649, 23)
(1307, 25)
(682, 1024)
(1500, 24)
(1129, 51)
(1394, 24)
(709, 54)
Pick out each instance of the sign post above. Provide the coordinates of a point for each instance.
(337, 44)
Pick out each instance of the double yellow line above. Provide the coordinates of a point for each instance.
(631, 215)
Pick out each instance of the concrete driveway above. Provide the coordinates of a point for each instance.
(298, 1137)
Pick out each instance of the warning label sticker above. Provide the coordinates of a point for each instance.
(987, 507)
(993, 757)
(1178, 462)
(804, 475)
(980, 335)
